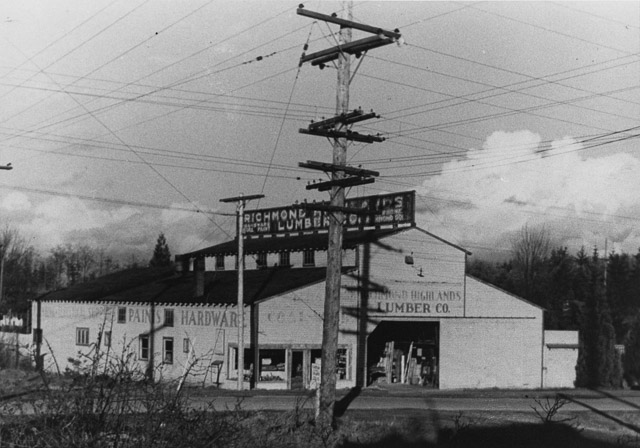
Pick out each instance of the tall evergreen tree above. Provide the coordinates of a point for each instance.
(619, 294)
(598, 361)
(161, 254)
(632, 353)
(561, 306)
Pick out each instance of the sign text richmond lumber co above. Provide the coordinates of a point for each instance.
(395, 208)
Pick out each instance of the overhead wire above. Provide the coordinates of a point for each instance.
(51, 44)
(506, 89)
(98, 33)
(284, 117)
(94, 198)
(509, 111)
(516, 159)
(182, 81)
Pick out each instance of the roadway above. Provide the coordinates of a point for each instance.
(419, 399)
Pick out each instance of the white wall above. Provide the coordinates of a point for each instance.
(209, 329)
(560, 358)
(488, 353)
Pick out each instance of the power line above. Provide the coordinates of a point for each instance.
(101, 31)
(507, 90)
(51, 44)
(492, 165)
(190, 78)
(158, 173)
(549, 30)
(508, 111)
(284, 117)
(110, 200)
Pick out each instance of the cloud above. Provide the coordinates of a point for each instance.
(517, 179)
(15, 202)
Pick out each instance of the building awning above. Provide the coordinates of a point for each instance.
(292, 243)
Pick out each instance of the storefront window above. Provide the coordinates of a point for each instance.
(343, 365)
(272, 365)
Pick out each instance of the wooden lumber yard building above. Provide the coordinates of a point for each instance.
(409, 312)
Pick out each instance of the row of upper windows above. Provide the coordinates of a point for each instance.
(308, 260)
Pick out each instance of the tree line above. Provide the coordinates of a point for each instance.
(26, 274)
(598, 296)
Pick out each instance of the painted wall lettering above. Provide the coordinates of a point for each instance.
(209, 318)
(397, 208)
(289, 317)
(432, 300)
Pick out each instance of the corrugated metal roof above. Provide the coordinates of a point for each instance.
(164, 286)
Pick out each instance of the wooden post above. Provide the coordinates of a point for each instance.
(330, 328)
(37, 336)
(241, 200)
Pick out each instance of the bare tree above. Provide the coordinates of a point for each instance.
(59, 257)
(86, 260)
(530, 248)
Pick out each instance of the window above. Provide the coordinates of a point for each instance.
(272, 365)
(168, 317)
(144, 347)
(82, 336)
(261, 261)
(167, 350)
(122, 314)
(106, 338)
(285, 259)
(186, 345)
(308, 258)
(219, 262)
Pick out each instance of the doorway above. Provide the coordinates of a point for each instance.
(404, 352)
(297, 369)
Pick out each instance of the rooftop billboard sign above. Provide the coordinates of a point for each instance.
(388, 209)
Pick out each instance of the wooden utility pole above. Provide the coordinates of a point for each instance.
(327, 392)
(338, 129)
(241, 201)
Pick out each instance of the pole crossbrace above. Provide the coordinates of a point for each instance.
(345, 119)
(345, 182)
(349, 23)
(331, 168)
(348, 135)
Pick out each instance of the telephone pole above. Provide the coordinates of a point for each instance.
(241, 203)
(338, 129)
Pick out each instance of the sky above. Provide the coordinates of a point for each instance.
(123, 119)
